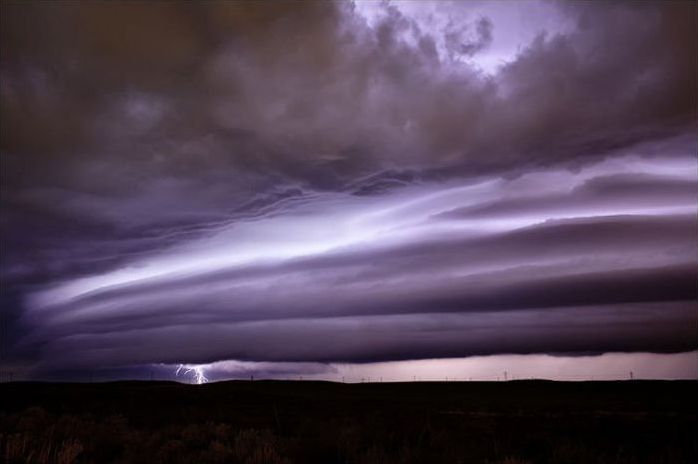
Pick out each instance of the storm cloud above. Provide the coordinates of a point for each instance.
(318, 182)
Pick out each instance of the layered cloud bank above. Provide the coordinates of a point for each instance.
(329, 182)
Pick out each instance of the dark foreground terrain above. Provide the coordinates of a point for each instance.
(304, 422)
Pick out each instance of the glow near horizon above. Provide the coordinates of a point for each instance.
(607, 366)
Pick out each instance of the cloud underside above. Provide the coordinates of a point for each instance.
(427, 286)
(293, 182)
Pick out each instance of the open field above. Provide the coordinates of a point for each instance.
(304, 422)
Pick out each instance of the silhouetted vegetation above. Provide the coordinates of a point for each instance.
(307, 422)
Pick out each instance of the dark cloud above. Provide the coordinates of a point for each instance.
(133, 133)
(379, 338)
(320, 94)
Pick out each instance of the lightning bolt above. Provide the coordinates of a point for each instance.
(196, 371)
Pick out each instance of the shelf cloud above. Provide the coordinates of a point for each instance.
(302, 184)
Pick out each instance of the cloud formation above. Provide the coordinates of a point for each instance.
(409, 274)
(317, 182)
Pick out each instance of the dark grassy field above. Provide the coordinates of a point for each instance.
(306, 422)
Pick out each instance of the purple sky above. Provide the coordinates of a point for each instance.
(349, 190)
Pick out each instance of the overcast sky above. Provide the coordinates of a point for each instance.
(350, 189)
